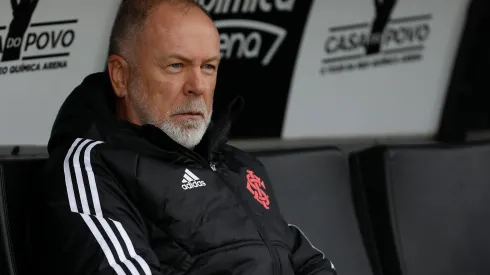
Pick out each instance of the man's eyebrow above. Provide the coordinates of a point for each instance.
(186, 59)
(214, 58)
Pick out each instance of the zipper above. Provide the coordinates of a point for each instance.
(218, 135)
(199, 159)
(273, 254)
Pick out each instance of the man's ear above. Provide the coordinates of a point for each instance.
(119, 72)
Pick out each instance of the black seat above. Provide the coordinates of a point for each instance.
(427, 206)
(313, 190)
(16, 178)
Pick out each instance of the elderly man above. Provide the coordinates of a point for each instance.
(140, 181)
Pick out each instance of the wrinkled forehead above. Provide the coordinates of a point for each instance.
(172, 28)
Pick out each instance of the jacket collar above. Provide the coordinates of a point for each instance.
(89, 112)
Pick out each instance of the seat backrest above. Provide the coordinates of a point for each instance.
(16, 178)
(313, 191)
(429, 207)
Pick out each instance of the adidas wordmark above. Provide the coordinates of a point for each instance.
(191, 181)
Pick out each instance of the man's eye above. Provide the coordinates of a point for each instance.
(176, 65)
(209, 67)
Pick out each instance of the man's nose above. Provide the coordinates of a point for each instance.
(196, 83)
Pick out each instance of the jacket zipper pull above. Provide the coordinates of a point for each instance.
(213, 166)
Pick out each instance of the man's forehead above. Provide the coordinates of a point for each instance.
(185, 41)
(167, 15)
(171, 32)
(173, 23)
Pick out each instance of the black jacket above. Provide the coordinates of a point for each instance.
(125, 199)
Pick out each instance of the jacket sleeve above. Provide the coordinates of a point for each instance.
(86, 223)
(306, 258)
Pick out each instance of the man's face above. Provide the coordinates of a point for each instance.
(174, 77)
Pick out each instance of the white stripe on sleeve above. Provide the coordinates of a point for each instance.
(73, 155)
(68, 179)
(79, 177)
(108, 230)
(87, 166)
(130, 247)
(103, 244)
(91, 179)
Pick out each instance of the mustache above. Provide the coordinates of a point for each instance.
(191, 106)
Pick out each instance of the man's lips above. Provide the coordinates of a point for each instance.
(190, 115)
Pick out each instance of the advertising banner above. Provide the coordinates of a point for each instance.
(259, 45)
(46, 48)
(373, 68)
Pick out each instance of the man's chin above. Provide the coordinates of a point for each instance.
(187, 133)
(189, 137)
(194, 123)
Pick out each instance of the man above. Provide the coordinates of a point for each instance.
(140, 181)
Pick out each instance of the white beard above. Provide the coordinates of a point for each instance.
(188, 133)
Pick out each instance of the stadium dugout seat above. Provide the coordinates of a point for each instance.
(427, 207)
(314, 196)
(17, 175)
(313, 191)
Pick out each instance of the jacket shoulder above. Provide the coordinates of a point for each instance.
(69, 147)
(242, 157)
(74, 153)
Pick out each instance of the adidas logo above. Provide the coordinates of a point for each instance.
(191, 181)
